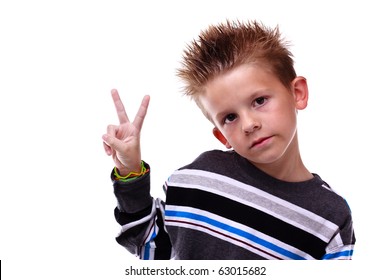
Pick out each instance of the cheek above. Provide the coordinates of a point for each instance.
(288, 126)
(232, 135)
(282, 121)
(285, 113)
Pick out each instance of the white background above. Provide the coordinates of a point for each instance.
(60, 59)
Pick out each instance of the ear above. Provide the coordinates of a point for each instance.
(301, 92)
(221, 138)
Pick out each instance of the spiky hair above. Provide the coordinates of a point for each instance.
(222, 47)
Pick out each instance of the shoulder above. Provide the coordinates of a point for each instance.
(215, 155)
(212, 160)
(324, 199)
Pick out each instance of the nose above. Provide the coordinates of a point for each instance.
(250, 123)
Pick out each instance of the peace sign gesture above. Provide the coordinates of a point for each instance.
(122, 141)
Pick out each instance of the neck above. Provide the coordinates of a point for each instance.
(293, 172)
(289, 167)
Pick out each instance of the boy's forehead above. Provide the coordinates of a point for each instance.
(244, 77)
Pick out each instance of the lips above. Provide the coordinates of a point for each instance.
(260, 141)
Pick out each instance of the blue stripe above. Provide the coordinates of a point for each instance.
(146, 252)
(336, 255)
(147, 246)
(235, 231)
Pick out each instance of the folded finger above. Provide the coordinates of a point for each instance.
(107, 148)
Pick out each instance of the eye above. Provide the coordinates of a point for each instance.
(260, 101)
(229, 118)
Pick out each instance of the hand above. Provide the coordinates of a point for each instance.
(122, 141)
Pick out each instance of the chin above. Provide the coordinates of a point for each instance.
(265, 160)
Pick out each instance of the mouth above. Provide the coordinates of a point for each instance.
(260, 142)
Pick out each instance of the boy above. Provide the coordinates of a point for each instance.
(255, 201)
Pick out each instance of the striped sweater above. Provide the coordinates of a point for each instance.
(222, 207)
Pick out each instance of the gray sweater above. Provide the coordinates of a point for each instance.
(222, 207)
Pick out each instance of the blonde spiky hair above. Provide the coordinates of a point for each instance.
(222, 47)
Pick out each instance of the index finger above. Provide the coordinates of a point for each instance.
(120, 108)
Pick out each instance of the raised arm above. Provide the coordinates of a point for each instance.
(122, 141)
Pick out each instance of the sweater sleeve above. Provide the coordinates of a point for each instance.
(141, 218)
(341, 246)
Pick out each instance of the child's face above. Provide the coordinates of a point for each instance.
(255, 114)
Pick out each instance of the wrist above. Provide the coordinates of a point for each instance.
(128, 173)
(123, 170)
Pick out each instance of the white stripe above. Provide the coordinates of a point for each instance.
(143, 220)
(336, 242)
(235, 242)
